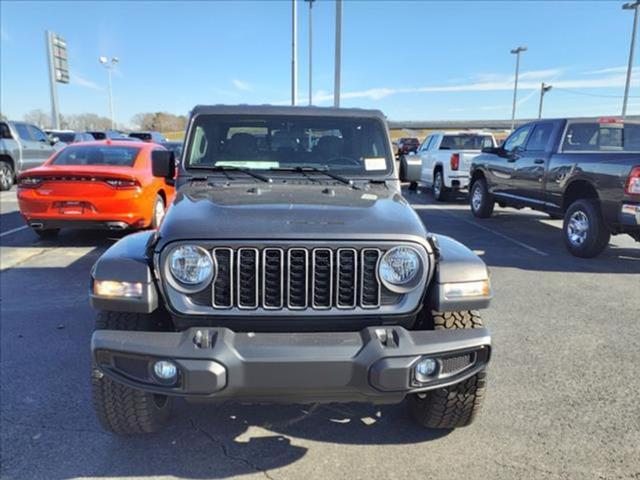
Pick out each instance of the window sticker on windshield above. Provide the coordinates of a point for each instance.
(257, 164)
(375, 163)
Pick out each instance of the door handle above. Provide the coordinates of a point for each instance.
(538, 161)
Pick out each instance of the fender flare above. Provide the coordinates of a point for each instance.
(456, 264)
(129, 260)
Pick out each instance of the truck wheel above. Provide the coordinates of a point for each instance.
(457, 405)
(480, 199)
(440, 192)
(158, 212)
(121, 409)
(6, 176)
(585, 232)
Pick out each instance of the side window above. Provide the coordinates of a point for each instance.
(425, 144)
(517, 139)
(23, 132)
(37, 134)
(198, 147)
(4, 131)
(487, 142)
(539, 138)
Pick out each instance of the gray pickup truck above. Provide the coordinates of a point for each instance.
(584, 170)
(22, 146)
(288, 269)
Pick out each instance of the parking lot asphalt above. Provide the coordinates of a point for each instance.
(563, 398)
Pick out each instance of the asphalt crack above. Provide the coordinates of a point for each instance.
(226, 453)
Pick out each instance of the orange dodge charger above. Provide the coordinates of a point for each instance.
(97, 185)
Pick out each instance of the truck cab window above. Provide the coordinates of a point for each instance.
(517, 139)
(539, 138)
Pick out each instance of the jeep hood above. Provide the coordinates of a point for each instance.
(307, 211)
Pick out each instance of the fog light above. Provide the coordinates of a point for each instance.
(110, 288)
(165, 371)
(425, 369)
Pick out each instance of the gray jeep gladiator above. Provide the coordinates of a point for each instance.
(289, 269)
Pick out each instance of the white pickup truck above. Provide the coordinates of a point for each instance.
(443, 160)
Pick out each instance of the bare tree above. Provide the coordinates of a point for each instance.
(38, 117)
(159, 121)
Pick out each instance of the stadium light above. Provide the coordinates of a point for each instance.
(516, 52)
(109, 66)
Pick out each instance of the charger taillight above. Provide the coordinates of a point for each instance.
(29, 182)
(122, 183)
(633, 182)
(455, 161)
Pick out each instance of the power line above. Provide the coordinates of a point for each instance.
(589, 94)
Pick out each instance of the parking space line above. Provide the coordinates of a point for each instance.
(13, 230)
(482, 227)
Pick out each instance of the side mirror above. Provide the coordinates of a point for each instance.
(163, 164)
(54, 140)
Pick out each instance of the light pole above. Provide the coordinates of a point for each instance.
(544, 88)
(310, 50)
(336, 80)
(630, 6)
(294, 52)
(516, 52)
(109, 66)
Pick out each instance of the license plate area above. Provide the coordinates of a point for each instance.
(72, 207)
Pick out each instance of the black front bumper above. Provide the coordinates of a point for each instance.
(373, 365)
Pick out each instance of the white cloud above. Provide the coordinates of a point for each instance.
(241, 85)
(79, 80)
(603, 71)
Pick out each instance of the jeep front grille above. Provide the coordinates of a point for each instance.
(296, 278)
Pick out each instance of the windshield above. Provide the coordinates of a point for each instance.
(142, 136)
(97, 155)
(354, 146)
(64, 136)
(466, 142)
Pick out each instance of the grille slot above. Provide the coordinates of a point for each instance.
(347, 278)
(322, 278)
(298, 275)
(247, 278)
(369, 284)
(296, 278)
(222, 288)
(272, 278)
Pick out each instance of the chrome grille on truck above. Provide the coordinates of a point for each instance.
(296, 278)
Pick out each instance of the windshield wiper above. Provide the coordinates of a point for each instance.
(229, 168)
(324, 171)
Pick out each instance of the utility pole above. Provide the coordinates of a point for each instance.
(294, 52)
(310, 50)
(630, 6)
(544, 88)
(516, 52)
(109, 65)
(338, 59)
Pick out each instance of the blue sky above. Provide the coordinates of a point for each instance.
(413, 60)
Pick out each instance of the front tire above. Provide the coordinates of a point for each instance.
(456, 405)
(121, 409)
(7, 176)
(480, 199)
(585, 232)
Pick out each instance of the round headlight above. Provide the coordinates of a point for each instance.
(399, 266)
(191, 267)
